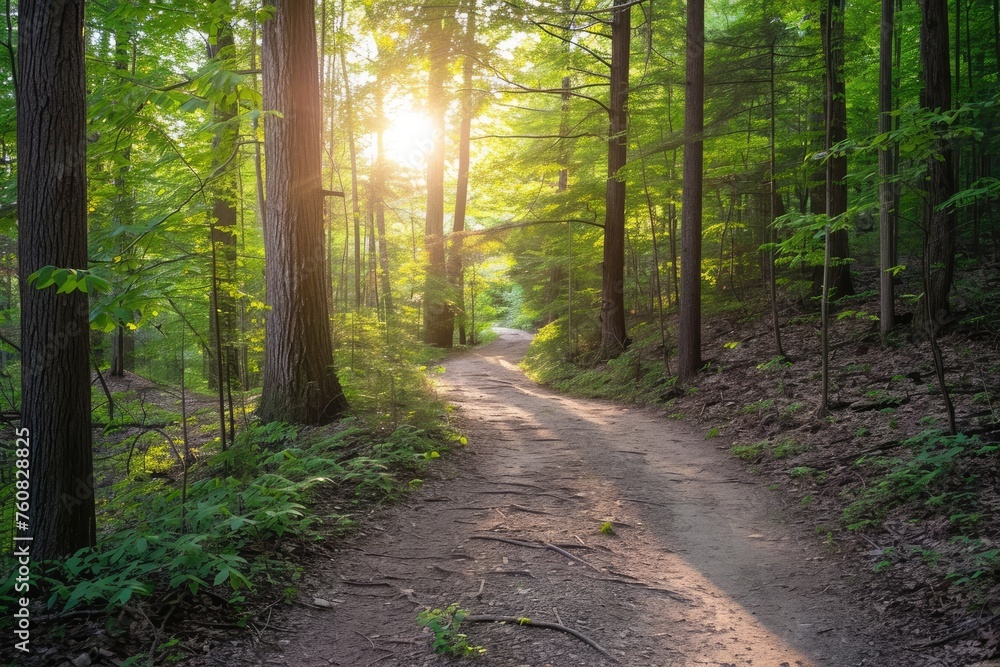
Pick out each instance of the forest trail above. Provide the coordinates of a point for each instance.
(701, 571)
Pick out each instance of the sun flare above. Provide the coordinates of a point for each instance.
(409, 138)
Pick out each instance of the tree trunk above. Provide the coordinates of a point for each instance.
(379, 197)
(689, 339)
(355, 201)
(939, 184)
(613, 336)
(456, 269)
(123, 340)
(438, 317)
(887, 169)
(223, 310)
(836, 108)
(52, 222)
(777, 209)
(300, 383)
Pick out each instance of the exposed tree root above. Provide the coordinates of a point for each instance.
(535, 545)
(539, 624)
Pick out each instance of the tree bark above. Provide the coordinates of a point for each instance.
(52, 217)
(887, 169)
(223, 310)
(689, 339)
(939, 183)
(613, 336)
(300, 383)
(836, 107)
(439, 320)
(456, 269)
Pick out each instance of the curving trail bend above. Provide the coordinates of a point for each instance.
(704, 568)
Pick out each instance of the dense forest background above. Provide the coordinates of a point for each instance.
(816, 181)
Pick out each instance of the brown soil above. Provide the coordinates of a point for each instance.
(703, 568)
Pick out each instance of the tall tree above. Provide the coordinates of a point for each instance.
(439, 319)
(939, 181)
(887, 170)
(836, 188)
(456, 268)
(613, 336)
(52, 217)
(300, 383)
(689, 339)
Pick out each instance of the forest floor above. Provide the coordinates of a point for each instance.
(705, 566)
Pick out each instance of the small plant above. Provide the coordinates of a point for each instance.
(886, 562)
(757, 406)
(712, 432)
(805, 472)
(775, 364)
(751, 453)
(445, 624)
(785, 448)
(790, 411)
(607, 529)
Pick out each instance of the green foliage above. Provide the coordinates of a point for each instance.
(924, 477)
(445, 624)
(776, 450)
(169, 537)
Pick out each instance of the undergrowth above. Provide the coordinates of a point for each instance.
(164, 536)
(224, 523)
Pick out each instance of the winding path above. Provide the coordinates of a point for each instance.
(701, 568)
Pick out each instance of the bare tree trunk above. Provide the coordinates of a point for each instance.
(939, 185)
(456, 268)
(438, 317)
(379, 196)
(52, 225)
(355, 202)
(836, 190)
(777, 209)
(300, 383)
(887, 170)
(613, 336)
(689, 339)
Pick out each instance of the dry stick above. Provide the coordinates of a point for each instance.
(539, 624)
(522, 508)
(955, 635)
(639, 584)
(366, 583)
(535, 545)
(365, 636)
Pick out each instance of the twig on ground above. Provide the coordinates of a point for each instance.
(958, 634)
(522, 508)
(539, 624)
(639, 584)
(365, 636)
(535, 545)
(349, 582)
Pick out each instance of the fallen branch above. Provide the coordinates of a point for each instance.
(958, 634)
(522, 508)
(535, 545)
(638, 584)
(539, 624)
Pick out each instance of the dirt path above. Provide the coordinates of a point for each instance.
(701, 570)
